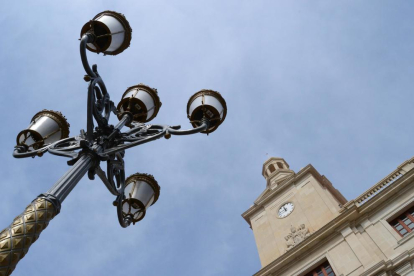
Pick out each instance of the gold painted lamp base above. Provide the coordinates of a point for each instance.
(22, 233)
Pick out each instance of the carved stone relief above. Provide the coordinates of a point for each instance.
(296, 236)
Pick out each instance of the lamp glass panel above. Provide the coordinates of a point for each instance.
(142, 191)
(150, 201)
(48, 128)
(135, 208)
(29, 140)
(208, 100)
(53, 138)
(117, 31)
(129, 93)
(139, 215)
(90, 45)
(125, 207)
(146, 98)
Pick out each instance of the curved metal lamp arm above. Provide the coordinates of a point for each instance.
(106, 181)
(20, 152)
(114, 179)
(85, 40)
(163, 131)
(176, 131)
(117, 129)
(139, 142)
(66, 147)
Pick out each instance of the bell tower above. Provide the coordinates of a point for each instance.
(276, 170)
(291, 207)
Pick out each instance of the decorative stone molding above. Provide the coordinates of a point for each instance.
(296, 236)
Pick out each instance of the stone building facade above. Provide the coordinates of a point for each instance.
(304, 226)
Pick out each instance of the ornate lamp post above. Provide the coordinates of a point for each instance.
(109, 33)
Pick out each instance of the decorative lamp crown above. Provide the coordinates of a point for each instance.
(207, 104)
(111, 32)
(46, 127)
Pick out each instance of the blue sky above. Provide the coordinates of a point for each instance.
(323, 82)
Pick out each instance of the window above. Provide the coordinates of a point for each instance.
(271, 168)
(279, 165)
(324, 269)
(404, 223)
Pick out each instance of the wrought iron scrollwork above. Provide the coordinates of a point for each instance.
(67, 147)
(100, 105)
(114, 179)
(116, 172)
(100, 101)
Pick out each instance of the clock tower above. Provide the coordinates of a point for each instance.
(291, 207)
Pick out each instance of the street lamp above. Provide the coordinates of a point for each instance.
(141, 191)
(108, 33)
(46, 127)
(141, 102)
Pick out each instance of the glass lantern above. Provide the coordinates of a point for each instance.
(141, 191)
(112, 33)
(141, 102)
(46, 127)
(207, 104)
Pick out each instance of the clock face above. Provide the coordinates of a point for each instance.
(285, 210)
